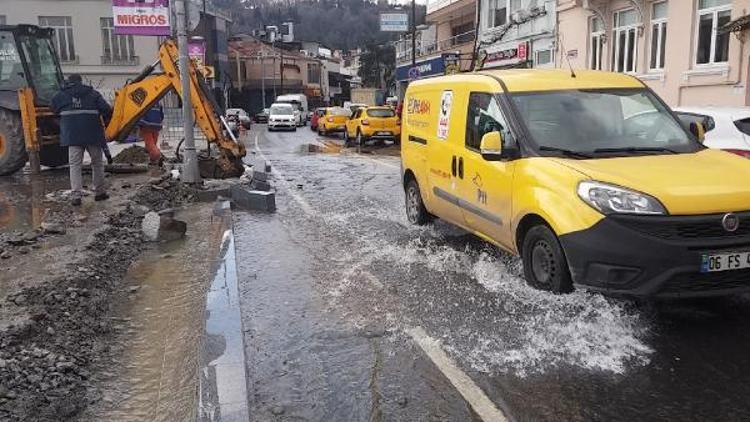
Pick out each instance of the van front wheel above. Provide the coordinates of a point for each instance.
(544, 263)
(415, 209)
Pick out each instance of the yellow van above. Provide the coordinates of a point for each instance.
(588, 176)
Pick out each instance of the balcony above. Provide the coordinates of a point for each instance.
(403, 50)
(434, 6)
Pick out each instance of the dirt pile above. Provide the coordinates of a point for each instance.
(132, 155)
(47, 362)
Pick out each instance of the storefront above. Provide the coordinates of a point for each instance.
(443, 64)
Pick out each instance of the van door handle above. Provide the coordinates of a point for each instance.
(453, 166)
(461, 167)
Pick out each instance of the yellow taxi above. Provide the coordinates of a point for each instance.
(334, 120)
(372, 123)
(379, 123)
(588, 176)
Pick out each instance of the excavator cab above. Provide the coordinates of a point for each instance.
(30, 75)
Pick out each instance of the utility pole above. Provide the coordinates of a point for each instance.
(282, 71)
(413, 33)
(190, 173)
(263, 78)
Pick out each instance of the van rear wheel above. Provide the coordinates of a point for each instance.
(544, 263)
(415, 209)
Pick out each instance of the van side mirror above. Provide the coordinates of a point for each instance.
(698, 130)
(491, 146)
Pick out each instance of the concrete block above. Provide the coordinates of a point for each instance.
(260, 175)
(253, 199)
(211, 194)
(162, 227)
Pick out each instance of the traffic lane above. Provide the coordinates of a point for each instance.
(309, 360)
(546, 357)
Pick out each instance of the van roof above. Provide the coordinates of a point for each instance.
(526, 80)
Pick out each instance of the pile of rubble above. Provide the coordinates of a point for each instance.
(46, 360)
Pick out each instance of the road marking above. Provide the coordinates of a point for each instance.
(479, 401)
(482, 405)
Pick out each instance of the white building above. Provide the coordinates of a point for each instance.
(86, 44)
(517, 33)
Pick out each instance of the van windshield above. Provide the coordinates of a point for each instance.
(601, 122)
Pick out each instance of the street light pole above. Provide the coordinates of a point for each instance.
(413, 33)
(190, 172)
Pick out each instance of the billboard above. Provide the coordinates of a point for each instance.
(394, 22)
(141, 17)
(197, 51)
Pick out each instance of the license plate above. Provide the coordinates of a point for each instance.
(384, 133)
(725, 261)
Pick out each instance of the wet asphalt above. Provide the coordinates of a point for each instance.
(333, 282)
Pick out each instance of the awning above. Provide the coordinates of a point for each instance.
(737, 25)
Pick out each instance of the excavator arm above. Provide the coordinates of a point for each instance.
(134, 99)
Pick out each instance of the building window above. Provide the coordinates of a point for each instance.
(713, 47)
(658, 35)
(118, 49)
(62, 39)
(313, 73)
(596, 43)
(625, 37)
(543, 57)
(498, 13)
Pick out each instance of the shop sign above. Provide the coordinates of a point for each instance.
(504, 56)
(141, 17)
(452, 63)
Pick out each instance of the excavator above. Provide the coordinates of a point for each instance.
(30, 75)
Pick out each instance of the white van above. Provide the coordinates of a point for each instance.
(299, 102)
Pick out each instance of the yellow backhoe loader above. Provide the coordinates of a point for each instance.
(30, 75)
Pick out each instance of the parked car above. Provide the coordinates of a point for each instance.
(262, 117)
(380, 123)
(299, 101)
(559, 170)
(334, 120)
(282, 116)
(242, 116)
(727, 128)
(317, 114)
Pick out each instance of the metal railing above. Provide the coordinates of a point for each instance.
(425, 49)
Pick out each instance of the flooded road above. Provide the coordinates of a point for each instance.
(337, 287)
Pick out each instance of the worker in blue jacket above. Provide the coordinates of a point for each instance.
(82, 110)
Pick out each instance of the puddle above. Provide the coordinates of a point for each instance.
(22, 198)
(156, 379)
(327, 147)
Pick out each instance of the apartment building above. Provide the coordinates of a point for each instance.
(86, 43)
(516, 33)
(680, 48)
(444, 44)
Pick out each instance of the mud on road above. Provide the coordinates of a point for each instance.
(61, 329)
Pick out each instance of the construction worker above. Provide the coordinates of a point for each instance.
(149, 127)
(82, 110)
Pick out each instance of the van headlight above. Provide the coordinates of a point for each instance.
(611, 199)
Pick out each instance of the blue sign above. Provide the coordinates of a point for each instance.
(414, 73)
(430, 67)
